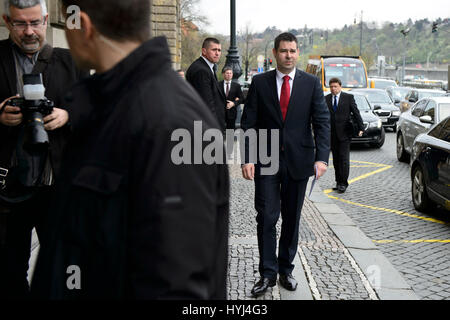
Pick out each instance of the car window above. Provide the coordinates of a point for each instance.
(361, 102)
(419, 108)
(435, 132)
(414, 95)
(430, 109)
(378, 97)
(444, 111)
(445, 132)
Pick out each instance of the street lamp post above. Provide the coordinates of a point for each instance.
(233, 58)
(405, 33)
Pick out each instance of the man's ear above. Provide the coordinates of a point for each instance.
(6, 19)
(203, 52)
(87, 27)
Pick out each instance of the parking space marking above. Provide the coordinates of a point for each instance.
(383, 167)
(412, 241)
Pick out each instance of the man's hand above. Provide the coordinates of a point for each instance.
(360, 133)
(320, 168)
(248, 171)
(57, 119)
(230, 104)
(10, 116)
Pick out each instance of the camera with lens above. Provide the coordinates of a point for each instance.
(34, 106)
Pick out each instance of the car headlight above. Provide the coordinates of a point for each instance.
(375, 124)
(396, 113)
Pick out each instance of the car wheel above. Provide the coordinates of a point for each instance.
(419, 191)
(378, 144)
(402, 155)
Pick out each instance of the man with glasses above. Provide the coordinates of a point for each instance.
(25, 52)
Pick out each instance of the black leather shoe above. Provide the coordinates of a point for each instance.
(262, 285)
(341, 189)
(288, 282)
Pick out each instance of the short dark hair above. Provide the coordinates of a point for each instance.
(335, 80)
(117, 19)
(208, 41)
(226, 68)
(287, 36)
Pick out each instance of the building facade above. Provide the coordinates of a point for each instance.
(165, 21)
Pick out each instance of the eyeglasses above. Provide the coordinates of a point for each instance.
(21, 26)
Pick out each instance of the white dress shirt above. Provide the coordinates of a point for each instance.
(280, 81)
(210, 64)
(225, 86)
(338, 97)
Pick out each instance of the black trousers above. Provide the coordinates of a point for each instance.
(16, 225)
(274, 194)
(341, 160)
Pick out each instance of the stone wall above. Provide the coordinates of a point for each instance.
(166, 21)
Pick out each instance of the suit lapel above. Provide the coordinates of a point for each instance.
(296, 86)
(274, 89)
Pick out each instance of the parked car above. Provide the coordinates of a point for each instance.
(415, 95)
(374, 133)
(397, 94)
(382, 83)
(417, 120)
(383, 106)
(430, 168)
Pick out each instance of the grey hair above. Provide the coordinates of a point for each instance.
(23, 4)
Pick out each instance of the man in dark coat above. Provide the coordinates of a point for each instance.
(25, 51)
(290, 102)
(202, 76)
(344, 115)
(233, 93)
(127, 222)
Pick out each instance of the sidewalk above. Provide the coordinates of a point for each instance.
(335, 260)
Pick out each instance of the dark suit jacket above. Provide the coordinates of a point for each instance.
(235, 92)
(346, 114)
(199, 75)
(59, 75)
(306, 107)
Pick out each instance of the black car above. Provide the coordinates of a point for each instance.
(430, 168)
(374, 133)
(383, 106)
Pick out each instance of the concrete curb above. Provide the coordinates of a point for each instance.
(387, 282)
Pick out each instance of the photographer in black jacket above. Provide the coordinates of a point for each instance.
(25, 52)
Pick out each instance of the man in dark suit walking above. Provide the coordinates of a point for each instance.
(344, 114)
(233, 93)
(202, 76)
(289, 101)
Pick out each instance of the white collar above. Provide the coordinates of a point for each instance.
(281, 75)
(210, 64)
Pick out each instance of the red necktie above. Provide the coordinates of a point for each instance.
(285, 96)
(228, 89)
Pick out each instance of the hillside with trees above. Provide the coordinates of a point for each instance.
(422, 45)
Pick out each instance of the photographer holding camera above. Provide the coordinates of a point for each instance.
(26, 52)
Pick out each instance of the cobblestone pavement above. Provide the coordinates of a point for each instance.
(331, 271)
(417, 244)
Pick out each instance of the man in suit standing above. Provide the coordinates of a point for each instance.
(233, 93)
(290, 101)
(344, 113)
(202, 76)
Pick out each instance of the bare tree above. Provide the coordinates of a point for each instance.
(190, 14)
